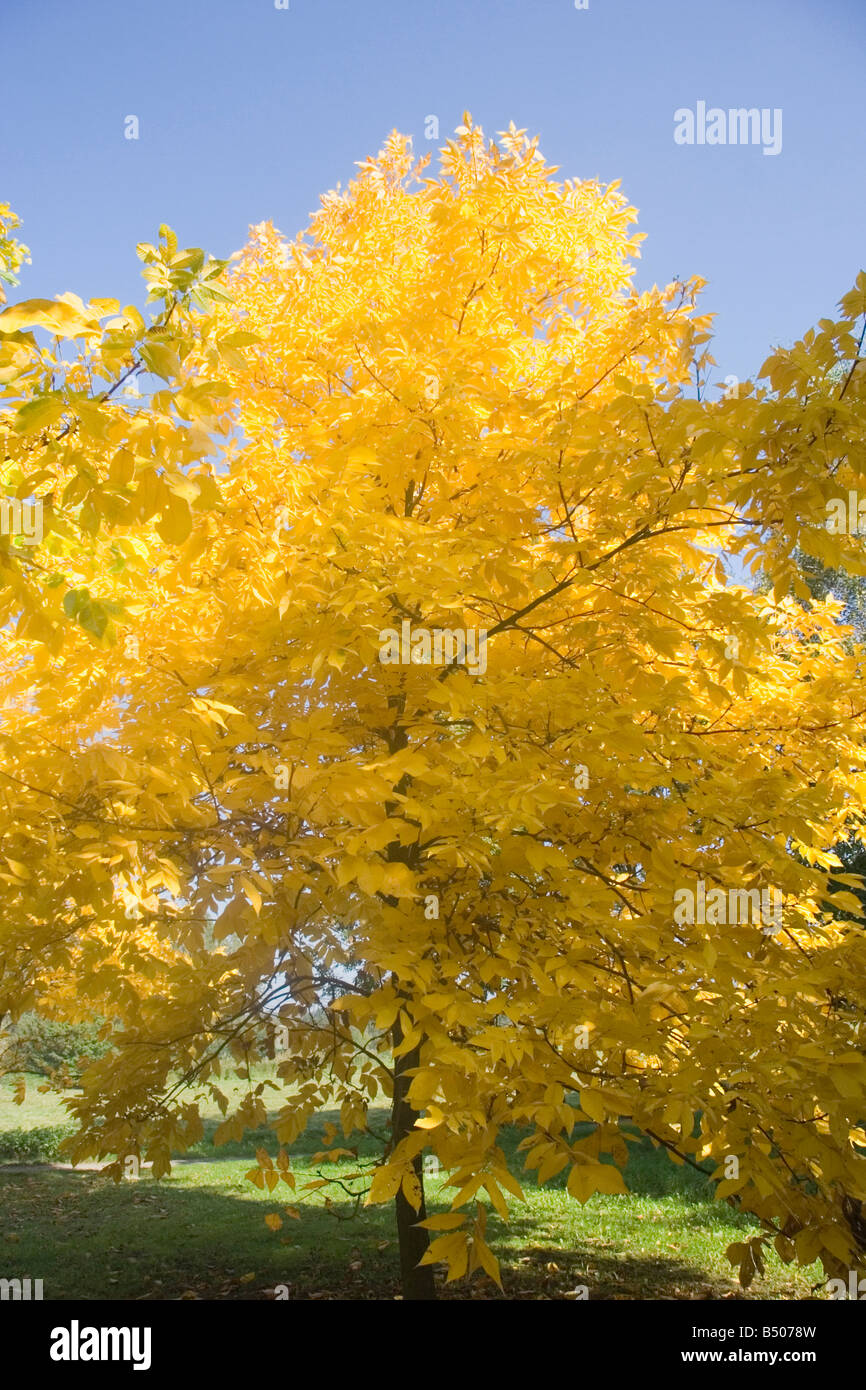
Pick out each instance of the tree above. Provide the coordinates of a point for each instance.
(450, 751)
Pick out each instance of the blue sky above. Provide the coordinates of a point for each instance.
(247, 113)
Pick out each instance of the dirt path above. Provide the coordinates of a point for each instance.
(93, 1167)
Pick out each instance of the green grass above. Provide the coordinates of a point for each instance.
(201, 1232)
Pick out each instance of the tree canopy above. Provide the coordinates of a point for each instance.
(380, 680)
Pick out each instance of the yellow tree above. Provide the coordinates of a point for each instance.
(449, 749)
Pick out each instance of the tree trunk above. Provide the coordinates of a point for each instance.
(414, 1240)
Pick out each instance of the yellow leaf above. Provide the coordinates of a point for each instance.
(51, 314)
(592, 1104)
(39, 414)
(412, 1189)
(451, 1249)
(252, 894)
(432, 1121)
(487, 1259)
(444, 1221)
(175, 523)
(385, 1184)
(550, 1165)
(585, 1179)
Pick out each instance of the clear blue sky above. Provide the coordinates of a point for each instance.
(248, 113)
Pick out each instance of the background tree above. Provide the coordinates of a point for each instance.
(456, 884)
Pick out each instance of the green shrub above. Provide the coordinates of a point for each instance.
(44, 1046)
(33, 1145)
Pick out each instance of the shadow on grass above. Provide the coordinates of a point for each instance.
(545, 1272)
(204, 1237)
(201, 1233)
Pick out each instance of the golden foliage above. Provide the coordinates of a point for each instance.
(449, 407)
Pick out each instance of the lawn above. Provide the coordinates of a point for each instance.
(201, 1232)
